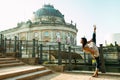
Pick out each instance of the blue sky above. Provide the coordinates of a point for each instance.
(105, 14)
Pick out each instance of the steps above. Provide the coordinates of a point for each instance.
(13, 69)
(9, 62)
(23, 72)
(1, 55)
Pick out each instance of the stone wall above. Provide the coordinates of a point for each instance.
(31, 61)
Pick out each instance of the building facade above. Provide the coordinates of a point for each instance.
(48, 24)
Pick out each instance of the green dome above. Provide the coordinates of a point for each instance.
(48, 10)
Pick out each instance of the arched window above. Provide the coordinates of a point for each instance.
(58, 36)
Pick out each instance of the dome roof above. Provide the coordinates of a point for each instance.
(48, 10)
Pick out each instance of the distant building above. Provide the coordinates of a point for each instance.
(113, 38)
(48, 24)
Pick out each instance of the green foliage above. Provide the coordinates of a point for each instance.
(20, 24)
(111, 45)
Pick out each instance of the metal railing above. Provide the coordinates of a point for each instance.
(57, 53)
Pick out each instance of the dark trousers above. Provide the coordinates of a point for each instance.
(94, 38)
(97, 58)
(97, 63)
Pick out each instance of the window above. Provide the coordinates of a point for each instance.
(46, 33)
(36, 34)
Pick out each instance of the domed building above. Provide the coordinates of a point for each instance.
(48, 24)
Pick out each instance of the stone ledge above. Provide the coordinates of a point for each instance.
(31, 61)
(55, 67)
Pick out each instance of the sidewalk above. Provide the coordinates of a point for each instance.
(76, 76)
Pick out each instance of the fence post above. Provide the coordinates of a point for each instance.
(15, 43)
(85, 58)
(40, 56)
(33, 53)
(119, 54)
(2, 42)
(50, 53)
(9, 45)
(27, 47)
(102, 59)
(1, 39)
(59, 54)
(37, 50)
(118, 51)
(5, 45)
(69, 56)
(20, 49)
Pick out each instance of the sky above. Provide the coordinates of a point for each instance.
(105, 14)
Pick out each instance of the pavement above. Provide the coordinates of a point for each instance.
(78, 76)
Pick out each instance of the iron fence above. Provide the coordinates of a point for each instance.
(57, 53)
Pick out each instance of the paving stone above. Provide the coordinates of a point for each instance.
(72, 76)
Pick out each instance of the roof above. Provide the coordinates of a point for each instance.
(48, 10)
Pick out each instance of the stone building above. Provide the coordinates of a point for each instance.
(48, 24)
